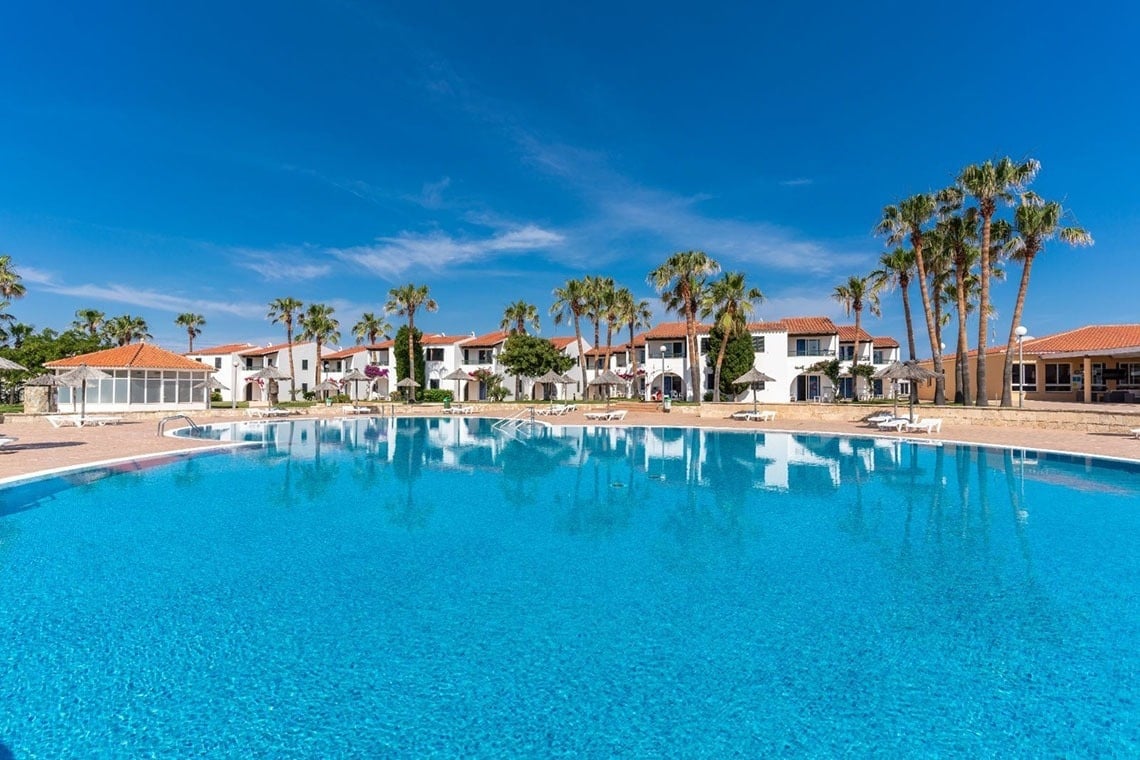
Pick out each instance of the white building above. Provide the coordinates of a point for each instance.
(139, 377)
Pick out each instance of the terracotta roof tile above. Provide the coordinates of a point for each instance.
(884, 342)
(344, 353)
(489, 340)
(272, 349)
(759, 327)
(439, 339)
(228, 348)
(562, 342)
(671, 331)
(810, 326)
(134, 356)
(1089, 338)
(847, 334)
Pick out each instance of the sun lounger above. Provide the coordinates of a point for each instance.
(1136, 432)
(928, 425)
(99, 420)
(895, 423)
(65, 420)
(613, 414)
(353, 409)
(880, 417)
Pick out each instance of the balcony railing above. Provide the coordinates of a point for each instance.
(820, 352)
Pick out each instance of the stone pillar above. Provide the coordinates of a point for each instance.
(39, 399)
(1086, 367)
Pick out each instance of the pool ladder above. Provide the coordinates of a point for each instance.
(514, 424)
(164, 420)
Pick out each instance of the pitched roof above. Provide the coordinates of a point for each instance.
(884, 342)
(272, 349)
(489, 340)
(134, 356)
(344, 353)
(758, 327)
(810, 326)
(671, 331)
(562, 341)
(1088, 338)
(440, 339)
(847, 334)
(228, 348)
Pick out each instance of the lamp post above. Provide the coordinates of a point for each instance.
(233, 387)
(1021, 332)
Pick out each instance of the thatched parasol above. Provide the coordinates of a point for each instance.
(354, 376)
(7, 365)
(408, 382)
(79, 377)
(458, 375)
(908, 370)
(753, 377)
(607, 380)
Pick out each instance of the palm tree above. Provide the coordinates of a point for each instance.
(318, 325)
(958, 233)
(10, 285)
(732, 303)
(988, 183)
(370, 327)
(681, 280)
(570, 303)
(89, 321)
(599, 296)
(192, 323)
(518, 315)
(632, 313)
(905, 222)
(126, 329)
(285, 311)
(1035, 224)
(896, 268)
(856, 294)
(405, 301)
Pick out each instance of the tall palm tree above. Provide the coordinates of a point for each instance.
(406, 300)
(285, 311)
(599, 294)
(518, 315)
(856, 294)
(896, 269)
(126, 329)
(318, 325)
(957, 234)
(681, 280)
(370, 327)
(906, 222)
(988, 183)
(193, 324)
(10, 285)
(89, 321)
(570, 303)
(1035, 224)
(732, 303)
(632, 313)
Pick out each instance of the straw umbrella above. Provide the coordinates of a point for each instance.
(210, 384)
(271, 375)
(326, 385)
(607, 379)
(79, 377)
(550, 376)
(354, 376)
(458, 375)
(753, 377)
(908, 370)
(407, 382)
(7, 365)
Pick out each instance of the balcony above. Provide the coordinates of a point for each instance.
(822, 353)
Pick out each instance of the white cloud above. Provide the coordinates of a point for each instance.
(36, 276)
(431, 196)
(151, 299)
(391, 256)
(286, 265)
(797, 182)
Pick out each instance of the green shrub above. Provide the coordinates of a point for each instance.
(437, 395)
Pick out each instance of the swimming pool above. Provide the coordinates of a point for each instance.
(414, 587)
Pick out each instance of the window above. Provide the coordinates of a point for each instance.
(1058, 377)
(249, 362)
(304, 364)
(619, 360)
(218, 363)
(879, 357)
(808, 347)
(1098, 377)
(434, 354)
(1129, 373)
(1030, 377)
(757, 344)
(433, 383)
(704, 345)
(676, 348)
(846, 351)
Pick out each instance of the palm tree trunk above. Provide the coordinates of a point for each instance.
(905, 287)
(963, 360)
(694, 369)
(1018, 305)
(597, 345)
(855, 355)
(935, 349)
(632, 358)
(983, 309)
(581, 356)
(292, 373)
(719, 362)
(411, 353)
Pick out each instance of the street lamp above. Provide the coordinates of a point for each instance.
(233, 387)
(1021, 332)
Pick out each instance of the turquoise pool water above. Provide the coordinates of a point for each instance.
(429, 587)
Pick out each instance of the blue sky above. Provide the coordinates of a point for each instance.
(210, 157)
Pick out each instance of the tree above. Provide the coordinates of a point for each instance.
(599, 292)
(192, 323)
(90, 321)
(988, 183)
(739, 357)
(285, 311)
(530, 356)
(896, 269)
(126, 329)
(856, 294)
(10, 285)
(905, 222)
(681, 280)
(518, 315)
(318, 325)
(401, 345)
(1035, 224)
(570, 303)
(406, 300)
(633, 313)
(732, 303)
(830, 369)
(47, 345)
(370, 327)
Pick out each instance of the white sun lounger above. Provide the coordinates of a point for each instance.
(880, 417)
(65, 420)
(613, 414)
(99, 420)
(7, 439)
(353, 409)
(764, 415)
(928, 425)
(895, 423)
